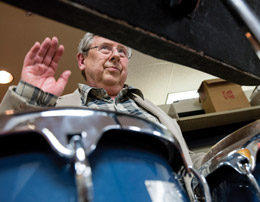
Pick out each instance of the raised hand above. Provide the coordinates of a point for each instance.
(40, 65)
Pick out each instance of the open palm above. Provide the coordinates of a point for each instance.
(40, 65)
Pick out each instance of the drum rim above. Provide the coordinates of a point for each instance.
(161, 134)
(248, 151)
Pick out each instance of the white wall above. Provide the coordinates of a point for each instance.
(156, 78)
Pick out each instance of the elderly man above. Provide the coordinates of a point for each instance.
(103, 63)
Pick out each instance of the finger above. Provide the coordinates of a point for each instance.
(51, 51)
(56, 57)
(43, 50)
(31, 55)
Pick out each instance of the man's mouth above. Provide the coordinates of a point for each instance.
(113, 68)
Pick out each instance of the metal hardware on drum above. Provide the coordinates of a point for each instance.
(197, 179)
(56, 145)
(83, 173)
(203, 183)
(245, 168)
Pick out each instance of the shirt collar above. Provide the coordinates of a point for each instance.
(101, 93)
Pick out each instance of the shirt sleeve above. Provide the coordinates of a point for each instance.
(35, 96)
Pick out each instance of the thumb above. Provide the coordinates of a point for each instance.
(63, 80)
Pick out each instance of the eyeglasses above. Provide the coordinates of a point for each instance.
(107, 49)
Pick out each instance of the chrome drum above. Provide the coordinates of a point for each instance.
(233, 174)
(75, 154)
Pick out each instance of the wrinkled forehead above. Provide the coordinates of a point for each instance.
(98, 40)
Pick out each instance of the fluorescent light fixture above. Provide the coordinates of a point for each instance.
(5, 77)
(173, 97)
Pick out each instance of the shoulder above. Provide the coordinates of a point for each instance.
(72, 99)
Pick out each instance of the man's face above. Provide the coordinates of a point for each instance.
(105, 68)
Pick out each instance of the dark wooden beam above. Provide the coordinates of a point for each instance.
(209, 39)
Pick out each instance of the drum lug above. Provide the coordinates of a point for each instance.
(245, 168)
(203, 184)
(83, 173)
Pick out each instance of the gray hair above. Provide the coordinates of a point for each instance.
(87, 41)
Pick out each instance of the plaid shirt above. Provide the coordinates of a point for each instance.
(94, 98)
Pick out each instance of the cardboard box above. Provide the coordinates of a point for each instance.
(219, 95)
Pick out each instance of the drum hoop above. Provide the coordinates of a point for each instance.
(29, 121)
(247, 152)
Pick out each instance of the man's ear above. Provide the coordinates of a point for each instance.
(81, 58)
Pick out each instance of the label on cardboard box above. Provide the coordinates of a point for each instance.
(220, 95)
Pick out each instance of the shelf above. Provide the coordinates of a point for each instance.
(209, 120)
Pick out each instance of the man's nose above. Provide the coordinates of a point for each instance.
(114, 55)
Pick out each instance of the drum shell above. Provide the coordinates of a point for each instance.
(31, 171)
(228, 185)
